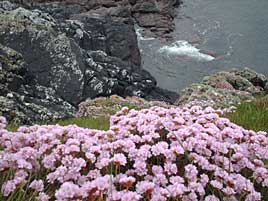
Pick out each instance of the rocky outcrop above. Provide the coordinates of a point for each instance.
(67, 54)
(22, 99)
(51, 57)
(225, 89)
(107, 106)
(156, 16)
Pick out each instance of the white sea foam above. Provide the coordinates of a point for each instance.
(140, 36)
(183, 48)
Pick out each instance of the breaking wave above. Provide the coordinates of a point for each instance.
(140, 36)
(184, 48)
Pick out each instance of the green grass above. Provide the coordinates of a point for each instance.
(98, 120)
(100, 123)
(12, 127)
(251, 115)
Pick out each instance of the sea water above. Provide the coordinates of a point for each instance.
(210, 36)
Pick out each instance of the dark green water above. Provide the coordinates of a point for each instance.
(211, 35)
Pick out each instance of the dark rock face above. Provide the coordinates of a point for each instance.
(154, 15)
(50, 56)
(65, 52)
(22, 99)
(112, 31)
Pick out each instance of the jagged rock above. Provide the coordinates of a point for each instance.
(67, 57)
(154, 15)
(22, 100)
(159, 94)
(226, 89)
(50, 56)
(112, 31)
(42, 105)
(12, 70)
(7, 6)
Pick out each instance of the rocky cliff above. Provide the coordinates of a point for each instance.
(156, 16)
(55, 54)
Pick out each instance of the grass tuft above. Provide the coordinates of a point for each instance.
(100, 123)
(251, 115)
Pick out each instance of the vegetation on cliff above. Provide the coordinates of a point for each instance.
(182, 153)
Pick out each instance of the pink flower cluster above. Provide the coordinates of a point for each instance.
(158, 154)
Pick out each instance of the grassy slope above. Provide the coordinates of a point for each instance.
(252, 115)
(100, 123)
(97, 122)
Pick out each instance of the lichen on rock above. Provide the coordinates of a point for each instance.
(65, 53)
(226, 89)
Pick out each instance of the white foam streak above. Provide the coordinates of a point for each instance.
(140, 37)
(183, 48)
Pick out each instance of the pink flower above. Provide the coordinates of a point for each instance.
(102, 183)
(8, 187)
(190, 197)
(204, 179)
(145, 187)
(177, 189)
(3, 122)
(37, 185)
(156, 169)
(119, 159)
(42, 197)
(140, 167)
(129, 195)
(216, 184)
(127, 181)
(191, 172)
(176, 180)
(170, 168)
(228, 191)
(68, 190)
(211, 198)
(158, 153)
(104, 162)
(159, 148)
(254, 196)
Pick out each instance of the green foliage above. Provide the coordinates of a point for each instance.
(100, 123)
(251, 115)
